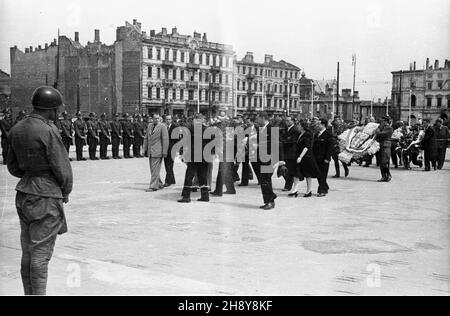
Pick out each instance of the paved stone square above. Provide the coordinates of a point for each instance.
(364, 238)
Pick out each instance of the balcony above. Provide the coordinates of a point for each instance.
(192, 102)
(168, 83)
(192, 66)
(250, 76)
(251, 91)
(270, 93)
(215, 69)
(192, 85)
(214, 86)
(167, 63)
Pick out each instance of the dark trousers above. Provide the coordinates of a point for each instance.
(199, 169)
(430, 159)
(104, 147)
(126, 147)
(266, 188)
(247, 170)
(115, 143)
(441, 151)
(93, 143)
(289, 182)
(225, 176)
(137, 145)
(79, 144)
(170, 176)
(411, 156)
(322, 179)
(337, 167)
(41, 219)
(4, 143)
(384, 160)
(67, 142)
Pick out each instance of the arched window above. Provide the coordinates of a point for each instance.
(413, 101)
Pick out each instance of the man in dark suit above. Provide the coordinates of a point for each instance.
(169, 160)
(323, 150)
(251, 134)
(442, 136)
(265, 144)
(66, 130)
(429, 145)
(289, 141)
(196, 167)
(138, 132)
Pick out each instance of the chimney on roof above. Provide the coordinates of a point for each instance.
(428, 63)
(31, 49)
(152, 33)
(268, 59)
(197, 35)
(164, 31)
(414, 67)
(447, 65)
(356, 94)
(249, 57)
(134, 21)
(39, 47)
(436, 64)
(77, 37)
(27, 50)
(174, 31)
(46, 45)
(97, 36)
(410, 66)
(205, 38)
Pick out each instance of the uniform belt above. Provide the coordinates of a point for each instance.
(39, 173)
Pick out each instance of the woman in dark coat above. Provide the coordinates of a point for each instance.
(306, 164)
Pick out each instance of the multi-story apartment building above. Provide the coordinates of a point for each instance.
(423, 93)
(272, 86)
(184, 74)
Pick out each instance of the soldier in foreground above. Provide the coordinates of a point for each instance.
(37, 156)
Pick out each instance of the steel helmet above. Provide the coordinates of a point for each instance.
(46, 98)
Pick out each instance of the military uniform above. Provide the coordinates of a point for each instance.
(384, 136)
(66, 129)
(37, 156)
(105, 137)
(5, 127)
(80, 128)
(138, 132)
(127, 137)
(116, 136)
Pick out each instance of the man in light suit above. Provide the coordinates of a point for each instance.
(156, 145)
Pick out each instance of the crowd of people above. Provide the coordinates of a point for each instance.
(307, 147)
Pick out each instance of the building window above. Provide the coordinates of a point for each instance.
(150, 93)
(200, 76)
(200, 59)
(181, 94)
(158, 93)
(413, 101)
(439, 102)
(214, 60)
(430, 85)
(166, 54)
(150, 53)
(166, 74)
(243, 85)
(207, 59)
(439, 83)
(239, 101)
(429, 102)
(158, 53)
(150, 70)
(182, 57)
(227, 62)
(174, 74)
(182, 75)
(226, 96)
(166, 94)
(174, 94)
(159, 73)
(220, 96)
(244, 69)
(175, 55)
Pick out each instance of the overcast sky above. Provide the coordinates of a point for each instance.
(386, 35)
